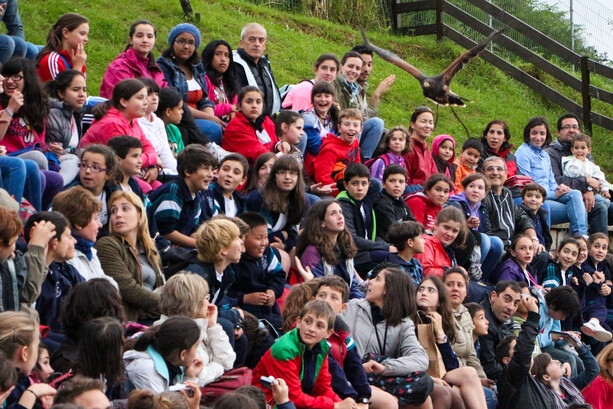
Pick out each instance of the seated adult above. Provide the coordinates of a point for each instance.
(347, 96)
(499, 309)
(419, 160)
(568, 126)
(65, 48)
(298, 98)
(129, 255)
(495, 140)
(253, 67)
(83, 392)
(183, 70)
(564, 204)
(13, 44)
(136, 61)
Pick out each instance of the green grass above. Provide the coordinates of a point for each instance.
(294, 43)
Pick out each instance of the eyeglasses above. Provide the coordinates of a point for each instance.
(494, 168)
(182, 41)
(94, 168)
(15, 78)
(288, 172)
(575, 127)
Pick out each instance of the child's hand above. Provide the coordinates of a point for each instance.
(605, 290)
(280, 391)
(16, 101)
(271, 297)
(530, 304)
(606, 194)
(575, 281)
(41, 234)
(437, 323)
(151, 174)
(192, 401)
(79, 57)
(56, 148)
(347, 403)
(567, 370)
(305, 273)
(587, 277)
(195, 368)
(598, 277)
(373, 367)
(322, 190)
(473, 222)
(278, 243)
(258, 298)
(211, 315)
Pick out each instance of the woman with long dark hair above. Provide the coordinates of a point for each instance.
(220, 79)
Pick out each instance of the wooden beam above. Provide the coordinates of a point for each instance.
(413, 6)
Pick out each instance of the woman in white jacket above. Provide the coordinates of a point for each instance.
(187, 295)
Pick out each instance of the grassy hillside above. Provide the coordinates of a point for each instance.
(295, 42)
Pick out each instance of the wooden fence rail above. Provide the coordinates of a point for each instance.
(584, 64)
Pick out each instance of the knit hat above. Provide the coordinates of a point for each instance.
(184, 28)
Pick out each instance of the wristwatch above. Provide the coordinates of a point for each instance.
(442, 339)
(590, 189)
(363, 400)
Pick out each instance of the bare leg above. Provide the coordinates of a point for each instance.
(426, 405)
(441, 397)
(382, 400)
(467, 380)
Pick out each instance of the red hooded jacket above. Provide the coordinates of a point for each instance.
(434, 259)
(420, 164)
(241, 137)
(423, 209)
(335, 155)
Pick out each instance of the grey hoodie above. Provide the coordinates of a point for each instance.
(401, 345)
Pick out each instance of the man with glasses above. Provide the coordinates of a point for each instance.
(568, 127)
(253, 68)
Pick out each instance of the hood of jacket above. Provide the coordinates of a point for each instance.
(436, 143)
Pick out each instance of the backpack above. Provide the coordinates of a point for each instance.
(284, 90)
(386, 160)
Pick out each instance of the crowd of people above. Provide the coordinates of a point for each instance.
(213, 239)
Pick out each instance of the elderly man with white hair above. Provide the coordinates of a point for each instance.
(253, 68)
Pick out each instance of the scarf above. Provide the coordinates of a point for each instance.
(84, 246)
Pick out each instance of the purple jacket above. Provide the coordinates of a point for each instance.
(510, 270)
(129, 65)
(378, 166)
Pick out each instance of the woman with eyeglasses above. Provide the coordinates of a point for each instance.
(282, 202)
(184, 71)
(129, 255)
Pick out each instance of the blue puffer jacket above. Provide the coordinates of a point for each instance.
(176, 79)
(535, 162)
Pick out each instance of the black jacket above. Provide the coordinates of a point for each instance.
(496, 332)
(506, 218)
(517, 388)
(389, 210)
(362, 229)
(266, 83)
(542, 218)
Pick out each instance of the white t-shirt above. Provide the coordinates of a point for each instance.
(230, 205)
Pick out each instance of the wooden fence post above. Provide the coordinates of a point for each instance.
(585, 96)
(393, 16)
(439, 20)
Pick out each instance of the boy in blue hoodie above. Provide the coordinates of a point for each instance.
(222, 196)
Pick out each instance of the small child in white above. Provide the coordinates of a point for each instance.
(579, 166)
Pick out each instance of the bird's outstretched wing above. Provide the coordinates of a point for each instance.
(392, 58)
(465, 57)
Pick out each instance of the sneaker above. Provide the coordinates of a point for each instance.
(596, 331)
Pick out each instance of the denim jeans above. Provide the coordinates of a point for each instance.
(21, 176)
(7, 48)
(491, 251)
(372, 130)
(568, 208)
(211, 129)
(490, 398)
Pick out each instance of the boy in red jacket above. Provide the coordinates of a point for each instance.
(300, 357)
(339, 151)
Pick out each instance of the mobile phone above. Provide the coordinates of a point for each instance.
(267, 381)
(181, 387)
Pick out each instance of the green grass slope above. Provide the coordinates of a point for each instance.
(294, 43)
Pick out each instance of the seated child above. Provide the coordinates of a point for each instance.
(389, 206)
(426, 205)
(396, 144)
(154, 129)
(61, 276)
(325, 246)
(533, 196)
(443, 153)
(290, 129)
(597, 278)
(322, 120)
(449, 231)
(259, 279)
(170, 111)
(222, 196)
(467, 161)
(515, 266)
(337, 152)
(335, 292)
(251, 133)
(559, 271)
(300, 357)
(579, 165)
(128, 151)
(408, 238)
(477, 314)
(22, 275)
(42, 370)
(175, 211)
(359, 216)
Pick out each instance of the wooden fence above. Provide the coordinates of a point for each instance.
(585, 65)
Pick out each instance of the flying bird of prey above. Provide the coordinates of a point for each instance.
(436, 88)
